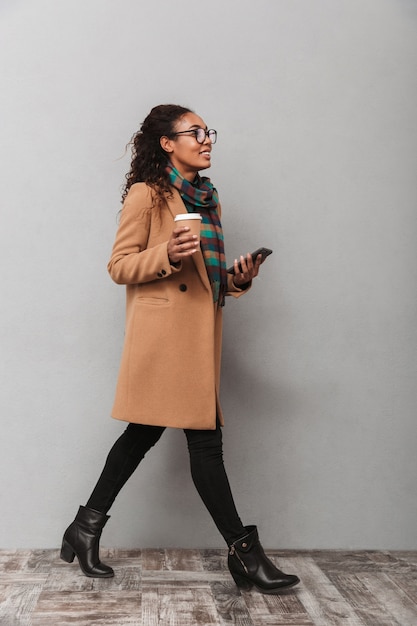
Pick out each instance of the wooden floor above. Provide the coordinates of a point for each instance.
(194, 588)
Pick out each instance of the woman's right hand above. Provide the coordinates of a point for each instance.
(181, 244)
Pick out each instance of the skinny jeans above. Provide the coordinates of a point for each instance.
(205, 448)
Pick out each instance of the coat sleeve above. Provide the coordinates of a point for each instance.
(131, 261)
(232, 290)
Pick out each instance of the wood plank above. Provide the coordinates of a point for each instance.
(172, 559)
(409, 556)
(230, 604)
(40, 561)
(344, 561)
(364, 603)
(183, 560)
(13, 560)
(101, 619)
(132, 554)
(273, 610)
(389, 563)
(192, 579)
(120, 557)
(181, 606)
(191, 608)
(153, 559)
(17, 603)
(322, 602)
(90, 607)
(150, 606)
(214, 560)
(407, 583)
(396, 602)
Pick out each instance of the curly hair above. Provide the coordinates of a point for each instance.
(148, 158)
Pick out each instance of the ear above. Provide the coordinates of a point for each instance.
(166, 144)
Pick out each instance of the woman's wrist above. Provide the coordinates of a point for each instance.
(243, 286)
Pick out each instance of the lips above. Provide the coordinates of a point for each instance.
(206, 153)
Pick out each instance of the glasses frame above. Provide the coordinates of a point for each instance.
(194, 131)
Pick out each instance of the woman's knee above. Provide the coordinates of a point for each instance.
(142, 433)
(205, 442)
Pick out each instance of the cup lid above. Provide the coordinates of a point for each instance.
(187, 216)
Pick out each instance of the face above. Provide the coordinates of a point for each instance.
(185, 153)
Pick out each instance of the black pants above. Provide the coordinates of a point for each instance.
(207, 470)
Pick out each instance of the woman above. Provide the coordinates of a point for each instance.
(170, 367)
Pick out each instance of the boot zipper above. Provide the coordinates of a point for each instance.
(233, 552)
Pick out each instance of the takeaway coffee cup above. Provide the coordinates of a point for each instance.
(192, 220)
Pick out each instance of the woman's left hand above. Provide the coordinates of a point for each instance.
(249, 269)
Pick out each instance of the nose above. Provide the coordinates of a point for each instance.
(207, 138)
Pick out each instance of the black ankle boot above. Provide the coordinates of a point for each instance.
(82, 538)
(249, 566)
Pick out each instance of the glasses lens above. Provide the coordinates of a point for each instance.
(200, 135)
(212, 135)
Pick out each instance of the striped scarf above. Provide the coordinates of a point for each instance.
(201, 197)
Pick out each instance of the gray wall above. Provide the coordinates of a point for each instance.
(315, 105)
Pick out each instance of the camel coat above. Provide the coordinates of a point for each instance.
(170, 366)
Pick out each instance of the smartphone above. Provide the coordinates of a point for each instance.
(264, 251)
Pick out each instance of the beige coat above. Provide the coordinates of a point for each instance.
(170, 367)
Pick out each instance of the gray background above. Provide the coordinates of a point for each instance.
(315, 104)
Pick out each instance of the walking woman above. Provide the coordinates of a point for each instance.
(170, 367)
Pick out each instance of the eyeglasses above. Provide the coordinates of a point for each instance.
(200, 134)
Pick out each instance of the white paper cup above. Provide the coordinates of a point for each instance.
(192, 220)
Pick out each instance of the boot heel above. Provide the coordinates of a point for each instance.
(67, 553)
(242, 583)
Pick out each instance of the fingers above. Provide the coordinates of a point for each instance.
(246, 269)
(245, 265)
(181, 244)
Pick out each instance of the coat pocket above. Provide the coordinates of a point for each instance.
(151, 300)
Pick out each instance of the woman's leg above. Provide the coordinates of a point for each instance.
(82, 537)
(123, 459)
(247, 560)
(210, 478)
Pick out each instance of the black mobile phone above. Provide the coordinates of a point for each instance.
(264, 251)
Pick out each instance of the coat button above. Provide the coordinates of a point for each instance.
(183, 287)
